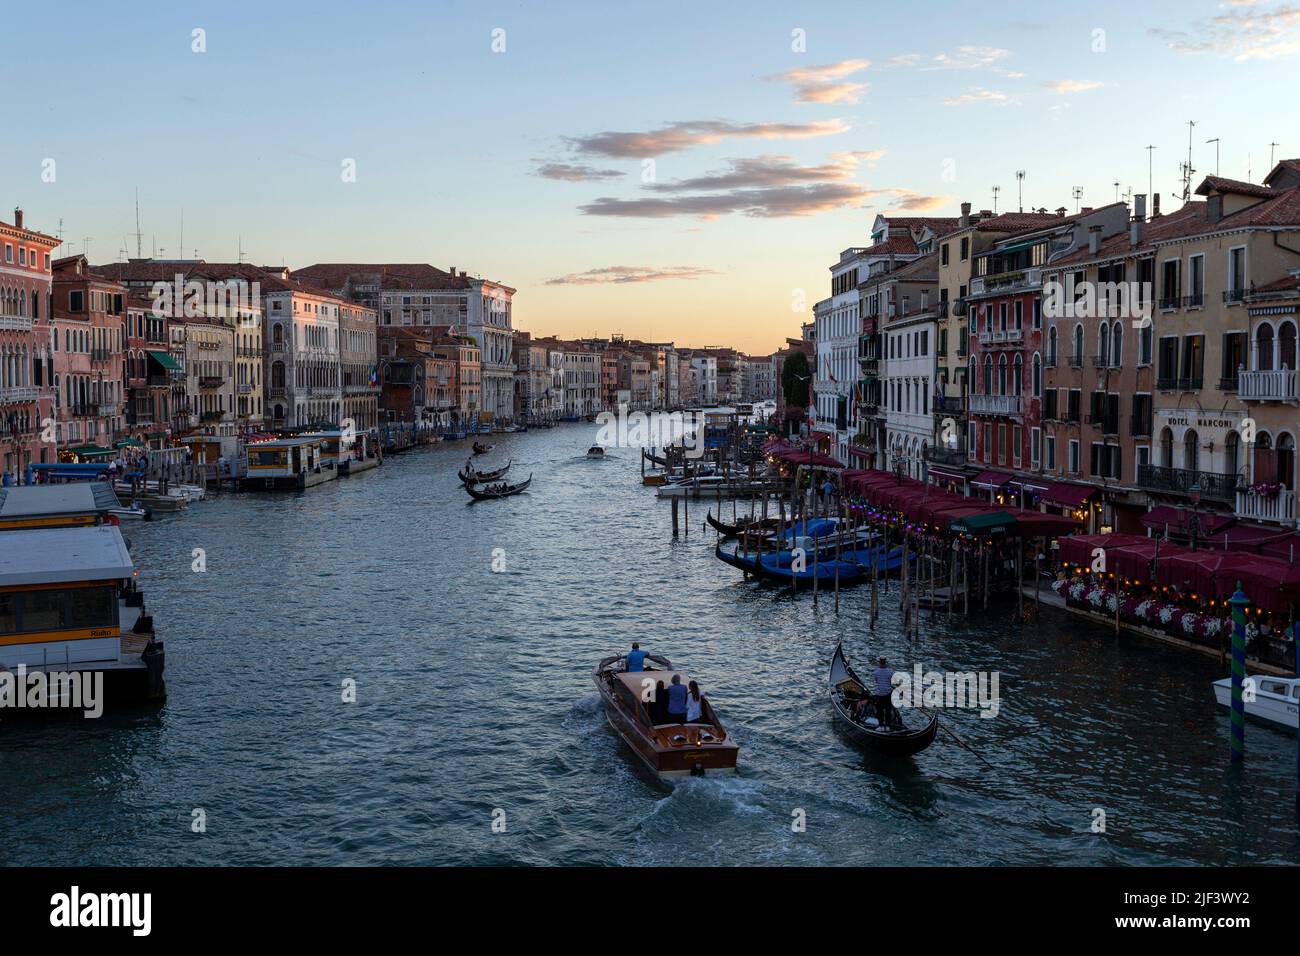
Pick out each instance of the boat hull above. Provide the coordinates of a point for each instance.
(891, 743)
(1265, 706)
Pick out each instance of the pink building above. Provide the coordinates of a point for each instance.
(26, 398)
(88, 346)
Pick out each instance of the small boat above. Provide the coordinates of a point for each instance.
(595, 451)
(501, 490)
(669, 750)
(481, 449)
(136, 512)
(469, 476)
(759, 526)
(1277, 699)
(654, 459)
(853, 565)
(900, 741)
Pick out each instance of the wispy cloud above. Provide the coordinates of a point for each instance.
(575, 172)
(962, 58)
(1071, 86)
(825, 84)
(622, 275)
(768, 171)
(766, 203)
(978, 95)
(1245, 30)
(907, 200)
(684, 135)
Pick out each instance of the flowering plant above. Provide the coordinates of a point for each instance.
(1267, 489)
(1213, 626)
(1166, 613)
(1144, 610)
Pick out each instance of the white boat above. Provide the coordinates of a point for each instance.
(135, 512)
(595, 451)
(1277, 699)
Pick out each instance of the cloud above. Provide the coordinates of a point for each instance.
(684, 135)
(1245, 30)
(825, 84)
(907, 200)
(769, 171)
(763, 203)
(1071, 86)
(622, 275)
(978, 95)
(575, 172)
(962, 58)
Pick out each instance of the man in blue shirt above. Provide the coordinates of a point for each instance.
(636, 658)
(677, 701)
(882, 679)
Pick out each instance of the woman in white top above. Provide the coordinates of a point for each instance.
(694, 703)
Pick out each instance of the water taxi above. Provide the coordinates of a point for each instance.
(288, 463)
(1277, 699)
(671, 750)
(69, 605)
(595, 451)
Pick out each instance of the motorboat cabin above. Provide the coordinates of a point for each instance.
(288, 463)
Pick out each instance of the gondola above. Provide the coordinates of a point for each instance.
(469, 476)
(481, 449)
(845, 688)
(778, 567)
(759, 526)
(480, 494)
(654, 459)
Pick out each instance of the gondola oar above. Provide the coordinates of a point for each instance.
(944, 727)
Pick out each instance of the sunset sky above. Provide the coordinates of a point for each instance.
(529, 165)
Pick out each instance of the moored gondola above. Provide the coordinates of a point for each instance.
(761, 526)
(846, 689)
(469, 476)
(501, 490)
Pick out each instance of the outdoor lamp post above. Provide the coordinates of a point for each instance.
(1237, 740)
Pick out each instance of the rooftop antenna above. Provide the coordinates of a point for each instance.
(85, 246)
(138, 238)
(1150, 175)
(1116, 185)
(996, 190)
(1215, 141)
(1020, 184)
(1187, 166)
(1271, 147)
(1077, 193)
(241, 250)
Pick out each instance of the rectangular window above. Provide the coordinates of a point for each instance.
(76, 300)
(965, 249)
(1035, 447)
(988, 444)
(943, 254)
(1167, 371)
(1169, 288)
(1234, 357)
(1051, 453)
(1002, 444)
(1236, 273)
(1074, 457)
(1015, 445)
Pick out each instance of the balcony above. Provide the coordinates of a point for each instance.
(106, 411)
(1076, 361)
(275, 392)
(1103, 361)
(1279, 507)
(1234, 296)
(18, 393)
(245, 388)
(995, 404)
(1169, 303)
(1278, 385)
(20, 323)
(212, 416)
(1183, 383)
(211, 381)
(159, 381)
(1007, 282)
(1182, 481)
(1194, 301)
(1229, 384)
(946, 455)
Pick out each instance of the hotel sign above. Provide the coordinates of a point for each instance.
(1210, 425)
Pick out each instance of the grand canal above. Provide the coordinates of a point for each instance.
(473, 695)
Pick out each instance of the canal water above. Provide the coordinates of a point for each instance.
(474, 702)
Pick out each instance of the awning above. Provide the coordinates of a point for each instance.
(89, 451)
(1028, 484)
(128, 443)
(990, 479)
(165, 360)
(986, 523)
(1067, 496)
(1035, 524)
(946, 475)
(1079, 548)
(1175, 519)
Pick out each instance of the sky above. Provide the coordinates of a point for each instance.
(668, 171)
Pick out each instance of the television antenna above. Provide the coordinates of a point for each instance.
(1077, 193)
(996, 190)
(1020, 183)
(1187, 166)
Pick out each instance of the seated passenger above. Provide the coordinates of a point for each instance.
(677, 701)
(694, 704)
(659, 705)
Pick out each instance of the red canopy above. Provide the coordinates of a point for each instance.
(1078, 548)
(799, 456)
(1067, 496)
(1175, 519)
(1035, 524)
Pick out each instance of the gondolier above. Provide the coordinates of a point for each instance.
(882, 679)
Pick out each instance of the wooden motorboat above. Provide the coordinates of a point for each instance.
(469, 476)
(1277, 699)
(498, 490)
(669, 750)
(136, 512)
(480, 448)
(899, 741)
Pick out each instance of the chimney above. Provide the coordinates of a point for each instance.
(452, 270)
(1094, 237)
(284, 273)
(1155, 206)
(965, 214)
(1140, 207)
(1085, 210)
(985, 213)
(1060, 212)
(18, 218)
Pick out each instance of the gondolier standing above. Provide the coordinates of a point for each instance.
(882, 679)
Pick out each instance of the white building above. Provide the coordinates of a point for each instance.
(910, 368)
(706, 368)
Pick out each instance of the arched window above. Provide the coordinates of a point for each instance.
(1078, 344)
(1002, 374)
(1167, 447)
(1286, 345)
(1103, 344)
(1038, 376)
(988, 375)
(1051, 345)
(1264, 348)
(1117, 344)
(1232, 453)
(1286, 461)
(1191, 450)
(1018, 379)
